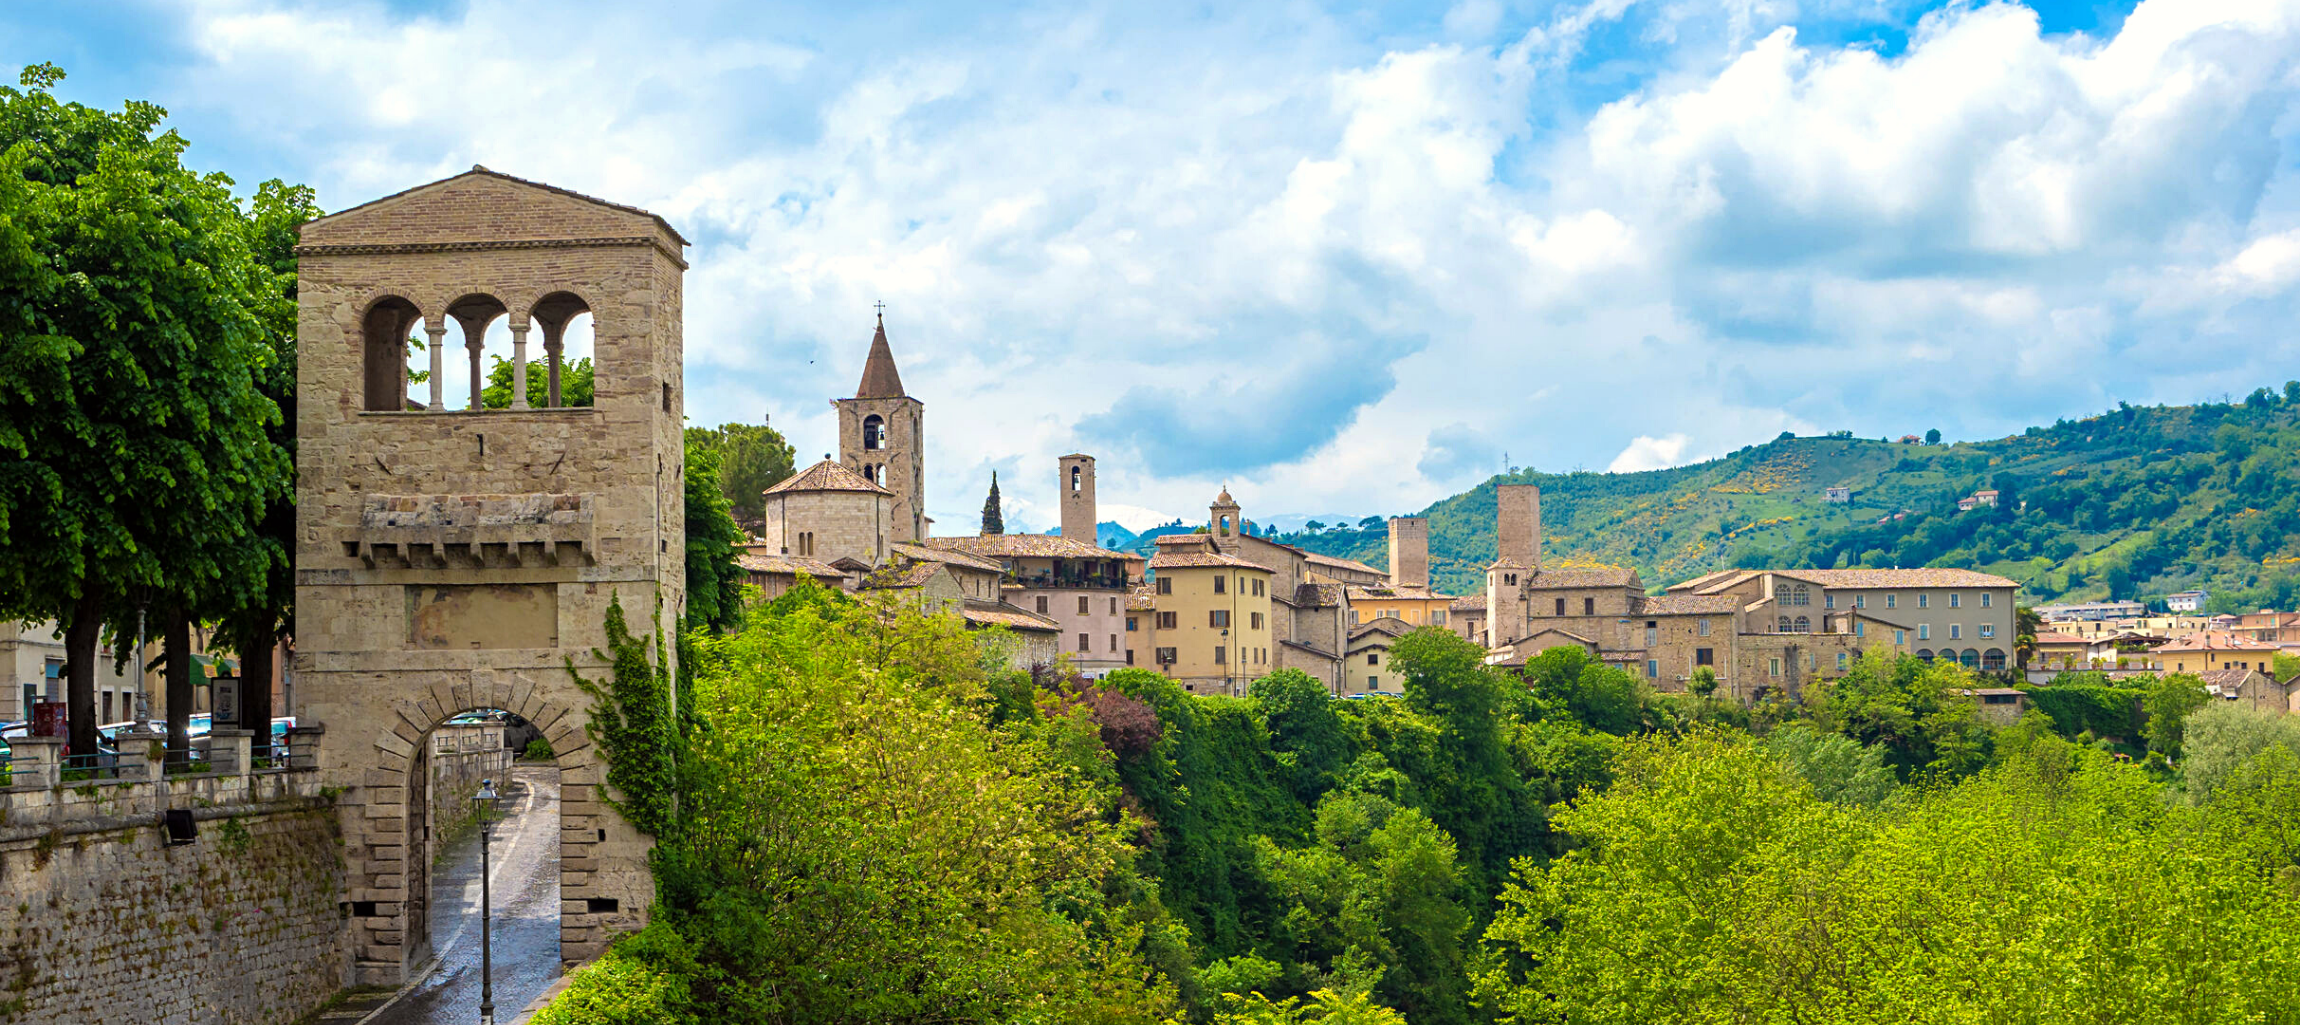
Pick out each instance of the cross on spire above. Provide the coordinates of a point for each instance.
(881, 311)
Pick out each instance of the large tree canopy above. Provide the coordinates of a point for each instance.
(141, 316)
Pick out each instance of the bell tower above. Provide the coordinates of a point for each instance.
(882, 437)
(1074, 479)
(1223, 521)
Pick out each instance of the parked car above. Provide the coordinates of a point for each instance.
(107, 754)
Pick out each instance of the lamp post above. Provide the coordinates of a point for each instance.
(484, 801)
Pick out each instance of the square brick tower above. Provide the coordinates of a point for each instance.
(452, 557)
(1409, 551)
(1074, 482)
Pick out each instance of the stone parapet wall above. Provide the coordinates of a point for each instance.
(102, 921)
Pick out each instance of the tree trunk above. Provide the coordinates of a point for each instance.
(179, 685)
(256, 648)
(80, 639)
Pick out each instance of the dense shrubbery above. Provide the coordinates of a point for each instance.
(876, 822)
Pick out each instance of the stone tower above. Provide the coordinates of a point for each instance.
(1074, 480)
(1518, 524)
(1223, 521)
(882, 436)
(451, 558)
(1409, 551)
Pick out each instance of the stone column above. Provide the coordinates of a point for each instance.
(438, 335)
(519, 366)
(36, 761)
(476, 344)
(231, 748)
(554, 345)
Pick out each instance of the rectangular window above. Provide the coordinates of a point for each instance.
(1652, 636)
(1775, 666)
(1828, 601)
(1165, 585)
(1373, 658)
(1860, 629)
(1892, 600)
(1221, 582)
(1652, 669)
(1218, 618)
(1860, 601)
(1114, 642)
(1988, 629)
(1588, 606)
(1956, 630)
(1130, 624)
(1042, 605)
(1956, 600)
(1083, 610)
(1561, 606)
(1166, 620)
(1129, 656)
(1258, 586)
(1257, 620)
(1437, 617)
(1113, 606)
(1704, 628)
(1165, 656)
(1924, 601)
(1924, 631)
(1840, 661)
(1900, 637)
(1085, 644)
(1221, 656)
(1704, 656)
(1986, 601)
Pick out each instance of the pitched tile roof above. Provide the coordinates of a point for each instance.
(1468, 603)
(1316, 559)
(1923, 576)
(1317, 596)
(2061, 638)
(827, 475)
(2226, 680)
(979, 613)
(1026, 546)
(930, 553)
(902, 575)
(1594, 576)
(1685, 605)
(789, 565)
(1408, 592)
(1197, 560)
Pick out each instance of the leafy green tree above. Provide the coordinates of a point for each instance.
(993, 518)
(714, 582)
(2221, 738)
(2169, 704)
(1910, 708)
(575, 383)
(1323, 1007)
(1599, 696)
(1306, 731)
(1474, 788)
(752, 458)
(139, 318)
(1838, 769)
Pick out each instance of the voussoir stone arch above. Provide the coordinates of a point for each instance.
(463, 560)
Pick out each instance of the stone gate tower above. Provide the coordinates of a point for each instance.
(452, 557)
(882, 436)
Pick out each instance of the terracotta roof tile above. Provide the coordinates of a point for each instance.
(1408, 592)
(1594, 576)
(1316, 559)
(1026, 546)
(983, 613)
(1197, 560)
(827, 475)
(1686, 605)
(1919, 577)
(930, 553)
(1317, 596)
(1468, 603)
(2216, 640)
(790, 565)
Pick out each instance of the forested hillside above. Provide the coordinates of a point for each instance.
(2137, 502)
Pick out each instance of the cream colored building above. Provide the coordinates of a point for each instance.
(2214, 650)
(828, 513)
(1210, 627)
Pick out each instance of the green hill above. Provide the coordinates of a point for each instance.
(2134, 503)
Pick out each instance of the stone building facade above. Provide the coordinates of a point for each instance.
(828, 513)
(451, 559)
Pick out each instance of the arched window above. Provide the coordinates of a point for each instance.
(565, 367)
(1225, 524)
(1785, 625)
(1799, 597)
(469, 370)
(391, 362)
(1970, 658)
(874, 432)
(1925, 654)
(1781, 593)
(1804, 625)
(1076, 475)
(1994, 658)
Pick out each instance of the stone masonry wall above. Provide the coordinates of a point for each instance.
(101, 921)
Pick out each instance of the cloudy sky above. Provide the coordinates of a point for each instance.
(1341, 257)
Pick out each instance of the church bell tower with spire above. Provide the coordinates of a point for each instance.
(882, 437)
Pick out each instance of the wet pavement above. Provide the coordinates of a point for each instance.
(525, 884)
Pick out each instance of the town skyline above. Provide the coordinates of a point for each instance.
(1260, 249)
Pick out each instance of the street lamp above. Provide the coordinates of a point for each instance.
(483, 802)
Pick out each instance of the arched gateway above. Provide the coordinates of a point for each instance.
(453, 557)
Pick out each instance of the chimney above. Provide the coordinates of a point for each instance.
(1409, 551)
(1074, 484)
(1518, 530)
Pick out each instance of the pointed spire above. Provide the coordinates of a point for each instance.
(879, 379)
(993, 518)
